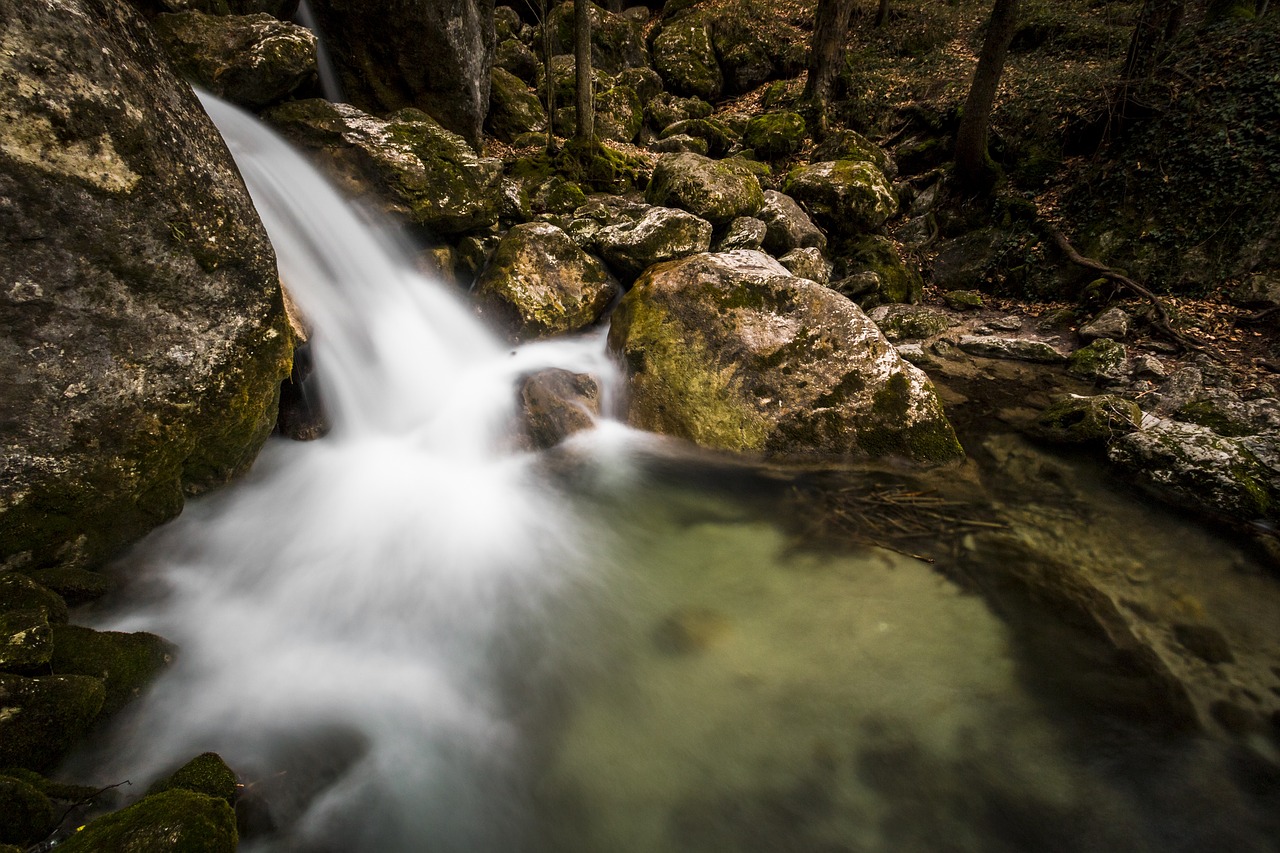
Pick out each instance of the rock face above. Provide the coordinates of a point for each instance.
(252, 60)
(392, 54)
(539, 283)
(717, 190)
(731, 351)
(408, 165)
(844, 196)
(144, 337)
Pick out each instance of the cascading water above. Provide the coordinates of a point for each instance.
(329, 85)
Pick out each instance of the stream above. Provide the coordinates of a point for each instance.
(409, 636)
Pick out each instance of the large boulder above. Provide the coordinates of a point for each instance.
(717, 190)
(661, 234)
(126, 663)
(392, 54)
(142, 332)
(539, 283)
(616, 42)
(177, 820)
(844, 196)
(731, 351)
(513, 108)
(685, 57)
(252, 60)
(407, 165)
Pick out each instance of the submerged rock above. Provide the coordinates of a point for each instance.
(142, 333)
(176, 820)
(731, 351)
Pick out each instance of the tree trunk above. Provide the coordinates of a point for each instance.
(882, 14)
(1158, 22)
(582, 68)
(973, 165)
(548, 83)
(826, 52)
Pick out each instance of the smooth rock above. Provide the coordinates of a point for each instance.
(126, 663)
(1114, 324)
(175, 820)
(1020, 349)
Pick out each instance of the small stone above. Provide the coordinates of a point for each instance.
(1020, 349)
(962, 300)
(556, 404)
(1008, 323)
(680, 143)
(1204, 642)
(1147, 367)
(1104, 359)
(1113, 324)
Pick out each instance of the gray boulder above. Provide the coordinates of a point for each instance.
(619, 114)
(807, 263)
(1114, 324)
(513, 108)
(665, 109)
(717, 190)
(787, 225)
(1018, 349)
(910, 322)
(142, 333)
(661, 234)
(745, 232)
(731, 351)
(616, 42)
(844, 196)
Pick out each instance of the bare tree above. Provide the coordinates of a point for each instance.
(826, 53)
(582, 70)
(973, 164)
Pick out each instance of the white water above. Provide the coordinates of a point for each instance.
(329, 85)
(370, 582)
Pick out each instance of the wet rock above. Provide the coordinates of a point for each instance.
(616, 42)
(774, 135)
(1104, 360)
(302, 411)
(434, 57)
(142, 336)
(251, 60)
(555, 404)
(906, 322)
(690, 630)
(717, 191)
(962, 300)
(844, 144)
(1205, 642)
(1075, 419)
(731, 351)
(539, 283)
(1020, 349)
(176, 820)
(745, 232)
(44, 717)
(787, 225)
(843, 196)
(125, 663)
(513, 108)
(619, 114)
(808, 263)
(205, 774)
(661, 234)
(19, 592)
(408, 165)
(1113, 324)
(665, 109)
(683, 54)
(26, 815)
(26, 643)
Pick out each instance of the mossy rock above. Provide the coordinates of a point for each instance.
(205, 774)
(26, 815)
(20, 592)
(910, 322)
(1088, 420)
(516, 58)
(1104, 359)
(843, 196)
(602, 167)
(619, 114)
(1207, 412)
(74, 586)
(26, 642)
(665, 109)
(844, 144)
(899, 283)
(126, 663)
(513, 108)
(717, 191)
(616, 42)
(685, 57)
(661, 234)
(774, 135)
(647, 84)
(44, 717)
(175, 821)
(720, 138)
(564, 79)
(963, 300)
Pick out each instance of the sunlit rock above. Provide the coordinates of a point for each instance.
(717, 190)
(843, 196)
(661, 234)
(684, 56)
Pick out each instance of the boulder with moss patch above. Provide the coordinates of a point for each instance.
(616, 42)
(539, 283)
(45, 716)
(733, 352)
(205, 774)
(665, 109)
(126, 663)
(716, 190)
(1074, 419)
(176, 821)
(720, 138)
(787, 226)
(513, 108)
(408, 165)
(897, 282)
(808, 263)
(845, 144)
(26, 643)
(773, 135)
(910, 322)
(661, 234)
(844, 196)
(142, 329)
(26, 815)
(685, 57)
(18, 592)
(1104, 360)
(619, 114)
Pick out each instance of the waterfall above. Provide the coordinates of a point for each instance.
(370, 595)
(329, 85)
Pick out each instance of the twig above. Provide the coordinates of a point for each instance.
(47, 844)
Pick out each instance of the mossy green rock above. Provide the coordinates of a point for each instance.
(513, 108)
(844, 144)
(19, 592)
(1101, 360)
(74, 586)
(26, 643)
(879, 255)
(683, 54)
(176, 821)
(665, 109)
(720, 138)
(910, 322)
(205, 774)
(126, 663)
(661, 234)
(142, 330)
(774, 135)
(731, 351)
(408, 164)
(843, 196)
(719, 191)
(539, 283)
(1083, 420)
(619, 114)
(26, 815)
(251, 60)
(43, 717)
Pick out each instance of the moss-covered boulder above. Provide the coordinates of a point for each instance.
(645, 82)
(251, 60)
(517, 58)
(910, 322)
(26, 815)
(513, 107)
(744, 232)
(665, 109)
(720, 138)
(733, 352)
(74, 586)
(619, 114)
(616, 42)
(205, 774)
(844, 196)
(661, 234)
(126, 663)
(897, 282)
(845, 144)
(1103, 360)
(1074, 419)
(555, 404)
(772, 135)
(717, 190)
(408, 165)
(564, 77)
(754, 44)
(539, 283)
(20, 592)
(176, 821)
(26, 642)
(142, 331)
(685, 57)
(45, 716)
(787, 226)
